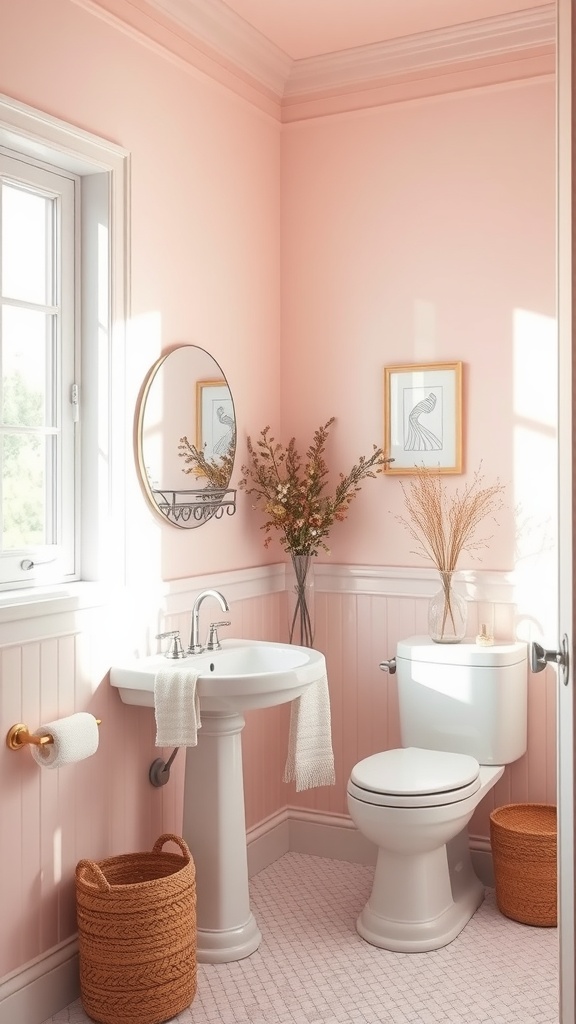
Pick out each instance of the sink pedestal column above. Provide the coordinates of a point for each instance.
(215, 831)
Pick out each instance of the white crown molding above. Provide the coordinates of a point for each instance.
(499, 39)
(495, 39)
(219, 27)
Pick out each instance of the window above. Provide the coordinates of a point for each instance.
(38, 386)
(64, 299)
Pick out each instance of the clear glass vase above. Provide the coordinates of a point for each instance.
(300, 590)
(447, 613)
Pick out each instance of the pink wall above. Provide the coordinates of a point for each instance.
(50, 819)
(416, 232)
(105, 805)
(205, 186)
(413, 234)
(205, 195)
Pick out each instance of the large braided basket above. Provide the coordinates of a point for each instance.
(523, 838)
(137, 935)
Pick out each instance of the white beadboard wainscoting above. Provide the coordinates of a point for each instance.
(55, 654)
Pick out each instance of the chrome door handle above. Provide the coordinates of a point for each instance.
(540, 657)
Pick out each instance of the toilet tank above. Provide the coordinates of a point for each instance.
(463, 698)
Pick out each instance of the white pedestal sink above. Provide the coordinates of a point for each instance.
(243, 675)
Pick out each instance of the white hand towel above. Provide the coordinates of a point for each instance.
(177, 706)
(310, 760)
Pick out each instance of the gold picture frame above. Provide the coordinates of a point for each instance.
(423, 417)
(215, 423)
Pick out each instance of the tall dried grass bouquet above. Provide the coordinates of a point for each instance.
(444, 525)
(291, 489)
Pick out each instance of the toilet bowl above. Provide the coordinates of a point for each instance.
(414, 803)
(425, 888)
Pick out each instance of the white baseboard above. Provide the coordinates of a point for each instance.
(481, 854)
(267, 841)
(51, 982)
(43, 987)
(299, 831)
(331, 835)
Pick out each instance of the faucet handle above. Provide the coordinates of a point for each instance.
(213, 643)
(175, 649)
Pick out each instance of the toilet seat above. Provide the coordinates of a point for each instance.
(414, 777)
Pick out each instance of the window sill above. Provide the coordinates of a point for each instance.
(50, 600)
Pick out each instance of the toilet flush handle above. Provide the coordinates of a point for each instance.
(389, 666)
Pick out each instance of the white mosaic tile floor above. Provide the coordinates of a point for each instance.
(313, 968)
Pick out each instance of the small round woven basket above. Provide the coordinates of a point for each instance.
(137, 935)
(523, 838)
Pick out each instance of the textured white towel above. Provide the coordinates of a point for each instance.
(310, 760)
(177, 708)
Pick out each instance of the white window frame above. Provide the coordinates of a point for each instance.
(60, 558)
(104, 169)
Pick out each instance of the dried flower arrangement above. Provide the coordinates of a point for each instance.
(290, 489)
(444, 525)
(216, 472)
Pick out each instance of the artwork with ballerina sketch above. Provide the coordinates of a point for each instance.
(423, 417)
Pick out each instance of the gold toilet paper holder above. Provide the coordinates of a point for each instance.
(19, 736)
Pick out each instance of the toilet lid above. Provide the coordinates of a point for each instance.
(411, 776)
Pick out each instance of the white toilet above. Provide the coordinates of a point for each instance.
(462, 719)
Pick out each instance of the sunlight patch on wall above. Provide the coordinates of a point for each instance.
(57, 855)
(145, 532)
(535, 433)
(425, 332)
(108, 549)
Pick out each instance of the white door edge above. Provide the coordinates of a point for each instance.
(566, 61)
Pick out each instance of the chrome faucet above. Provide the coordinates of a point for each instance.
(195, 646)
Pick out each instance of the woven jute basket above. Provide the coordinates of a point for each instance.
(137, 935)
(523, 838)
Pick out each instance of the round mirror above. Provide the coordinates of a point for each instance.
(185, 438)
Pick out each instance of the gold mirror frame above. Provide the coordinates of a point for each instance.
(185, 423)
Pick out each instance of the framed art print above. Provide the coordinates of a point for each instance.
(423, 417)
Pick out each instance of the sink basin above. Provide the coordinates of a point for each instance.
(242, 676)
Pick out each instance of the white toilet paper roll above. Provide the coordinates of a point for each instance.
(75, 738)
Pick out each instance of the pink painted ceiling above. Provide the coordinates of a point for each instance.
(307, 28)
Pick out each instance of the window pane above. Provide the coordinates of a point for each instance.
(26, 342)
(38, 442)
(26, 245)
(23, 501)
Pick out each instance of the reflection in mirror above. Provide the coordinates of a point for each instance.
(185, 438)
